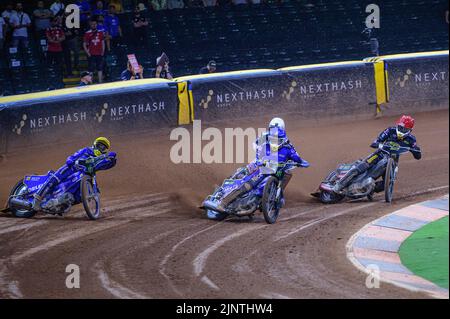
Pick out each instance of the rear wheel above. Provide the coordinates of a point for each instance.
(90, 198)
(19, 190)
(389, 180)
(213, 215)
(329, 197)
(269, 204)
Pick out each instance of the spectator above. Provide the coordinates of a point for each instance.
(71, 44)
(57, 8)
(117, 4)
(2, 34)
(159, 5)
(175, 4)
(101, 27)
(142, 7)
(140, 25)
(8, 13)
(20, 23)
(94, 46)
(129, 74)
(85, 11)
(112, 25)
(209, 68)
(42, 18)
(209, 3)
(55, 37)
(162, 67)
(86, 78)
(99, 10)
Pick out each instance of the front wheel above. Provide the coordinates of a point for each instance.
(17, 191)
(389, 180)
(269, 203)
(90, 198)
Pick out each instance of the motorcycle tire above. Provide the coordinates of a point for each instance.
(389, 180)
(329, 197)
(90, 198)
(269, 204)
(18, 189)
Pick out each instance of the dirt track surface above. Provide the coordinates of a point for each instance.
(153, 242)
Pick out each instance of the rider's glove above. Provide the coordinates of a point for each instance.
(375, 145)
(304, 163)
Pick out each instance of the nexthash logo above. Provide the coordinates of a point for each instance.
(18, 127)
(204, 102)
(99, 117)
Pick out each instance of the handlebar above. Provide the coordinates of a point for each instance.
(393, 147)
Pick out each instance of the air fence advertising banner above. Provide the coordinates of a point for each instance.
(64, 118)
(417, 83)
(327, 90)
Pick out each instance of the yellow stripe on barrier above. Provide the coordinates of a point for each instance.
(381, 87)
(78, 90)
(220, 74)
(414, 55)
(184, 104)
(320, 65)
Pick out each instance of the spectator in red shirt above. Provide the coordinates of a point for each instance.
(55, 37)
(94, 46)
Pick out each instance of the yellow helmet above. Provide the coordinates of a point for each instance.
(101, 146)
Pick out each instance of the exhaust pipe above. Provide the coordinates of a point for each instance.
(20, 204)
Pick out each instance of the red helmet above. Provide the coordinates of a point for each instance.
(404, 126)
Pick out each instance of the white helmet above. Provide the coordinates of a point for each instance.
(277, 122)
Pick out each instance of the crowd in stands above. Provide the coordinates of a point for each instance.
(99, 34)
(238, 34)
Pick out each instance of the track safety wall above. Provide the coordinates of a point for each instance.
(73, 115)
(399, 83)
(417, 82)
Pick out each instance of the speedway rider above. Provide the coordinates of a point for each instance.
(273, 141)
(100, 147)
(400, 134)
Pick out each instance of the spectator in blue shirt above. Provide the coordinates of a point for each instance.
(129, 74)
(113, 28)
(99, 9)
(85, 11)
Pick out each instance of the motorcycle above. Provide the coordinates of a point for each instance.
(80, 187)
(378, 178)
(262, 191)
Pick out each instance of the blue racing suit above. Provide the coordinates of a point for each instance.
(69, 168)
(284, 153)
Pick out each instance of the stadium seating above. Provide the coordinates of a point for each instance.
(255, 36)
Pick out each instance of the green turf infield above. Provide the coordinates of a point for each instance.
(425, 252)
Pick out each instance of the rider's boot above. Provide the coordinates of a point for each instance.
(37, 200)
(344, 181)
(45, 189)
(232, 196)
(285, 181)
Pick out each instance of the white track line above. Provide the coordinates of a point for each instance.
(319, 220)
(11, 229)
(53, 243)
(162, 265)
(113, 287)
